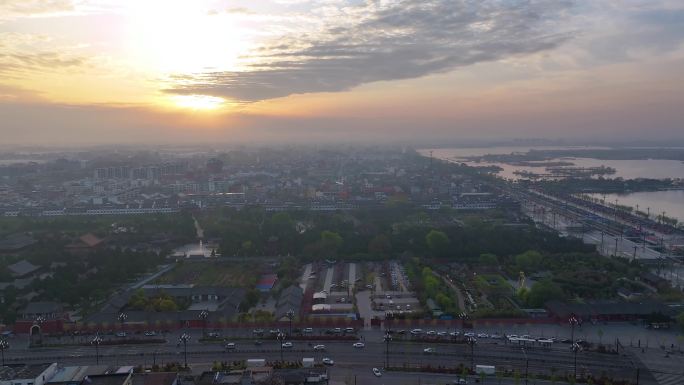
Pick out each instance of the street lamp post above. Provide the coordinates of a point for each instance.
(39, 322)
(122, 317)
(97, 340)
(203, 315)
(527, 366)
(388, 339)
(3, 345)
(281, 338)
(290, 316)
(472, 341)
(573, 322)
(184, 340)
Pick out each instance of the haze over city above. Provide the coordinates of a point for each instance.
(341, 192)
(113, 71)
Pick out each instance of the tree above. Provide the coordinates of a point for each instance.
(379, 245)
(543, 291)
(438, 242)
(529, 261)
(680, 320)
(330, 241)
(488, 260)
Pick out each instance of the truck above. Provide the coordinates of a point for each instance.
(486, 369)
(256, 363)
(308, 362)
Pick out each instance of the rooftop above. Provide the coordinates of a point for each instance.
(22, 268)
(15, 372)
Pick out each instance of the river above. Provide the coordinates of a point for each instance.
(672, 202)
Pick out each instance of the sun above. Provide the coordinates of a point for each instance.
(169, 39)
(198, 102)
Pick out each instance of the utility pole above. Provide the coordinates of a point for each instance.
(616, 241)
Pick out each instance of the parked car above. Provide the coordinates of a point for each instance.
(121, 334)
(350, 330)
(214, 334)
(150, 333)
(417, 332)
(308, 330)
(287, 344)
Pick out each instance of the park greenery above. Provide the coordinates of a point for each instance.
(159, 303)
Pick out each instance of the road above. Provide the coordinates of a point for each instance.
(403, 353)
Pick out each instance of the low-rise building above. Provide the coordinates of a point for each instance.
(37, 374)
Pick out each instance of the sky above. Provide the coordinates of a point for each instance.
(298, 71)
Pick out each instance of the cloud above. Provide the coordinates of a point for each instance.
(19, 63)
(26, 54)
(381, 41)
(10, 9)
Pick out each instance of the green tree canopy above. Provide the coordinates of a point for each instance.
(438, 242)
(542, 292)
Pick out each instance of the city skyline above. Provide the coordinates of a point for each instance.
(107, 72)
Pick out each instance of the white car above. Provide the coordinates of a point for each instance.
(328, 361)
(377, 372)
(495, 336)
(429, 350)
(359, 345)
(482, 335)
(230, 345)
(460, 381)
(308, 330)
(441, 334)
(319, 347)
(417, 332)
(287, 344)
(432, 333)
(150, 334)
(454, 334)
(469, 334)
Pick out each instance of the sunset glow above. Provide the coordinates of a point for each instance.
(198, 102)
(362, 68)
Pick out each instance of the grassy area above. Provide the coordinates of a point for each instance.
(227, 274)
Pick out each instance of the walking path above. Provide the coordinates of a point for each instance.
(459, 296)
